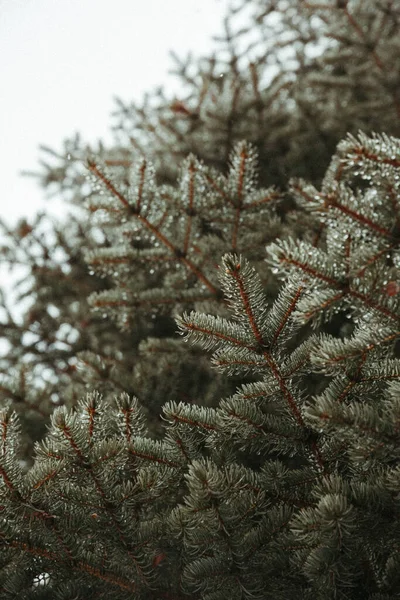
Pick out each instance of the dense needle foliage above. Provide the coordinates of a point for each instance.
(257, 215)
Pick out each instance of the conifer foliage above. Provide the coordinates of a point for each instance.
(256, 455)
(175, 232)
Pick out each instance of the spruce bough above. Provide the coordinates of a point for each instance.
(274, 492)
(260, 459)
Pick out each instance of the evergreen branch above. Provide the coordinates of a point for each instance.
(329, 352)
(315, 264)
(194, 416)
(205, 510)
(379, 149)
(147, 299)
(189, 208)
(261, 199)
(7, 479)
(93, 168)
(361, 418)
(107, 577)
(322, 202)
(305, 257)
(332, 201)
(243, 172)
(148, 451)
(77, 566)
(266, 426)
(242, 290)
(175, 251)
(374, 259)
(130, 417)
(211, 331)
(239, 362)
(284, 389)
(283, 309)
(61, 423)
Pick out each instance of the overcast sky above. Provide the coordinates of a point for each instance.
(62, 62)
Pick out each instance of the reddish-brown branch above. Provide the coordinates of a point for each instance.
(7, 481)
(118, 162)
(324, 305)
(331, 200)
(188, 263)
(141, 186)
(260, 428)
(152, 458)
(242, 363)
(111, 188)
(189, 209)
(266, 200)
(107, 577)
(36, 551)
(242, 170)
(44, 480)
(293, 406)
(4, 431)
(182, 419)
(226, 338)
(91, 412)
(236, 275)
(219, 190)
(179, 443)
(358, 217)
(368, 302)
(154, 230)
(311, 271)
(289, 312)
(362, 151)
(67, 432)
(342, 420)
(373, 259)
(334, 283)
(127, 419)
(285, 391)
(345, 357)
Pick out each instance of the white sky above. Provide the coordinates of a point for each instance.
(62, 62)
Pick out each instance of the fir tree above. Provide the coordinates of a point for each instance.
(275, 473)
